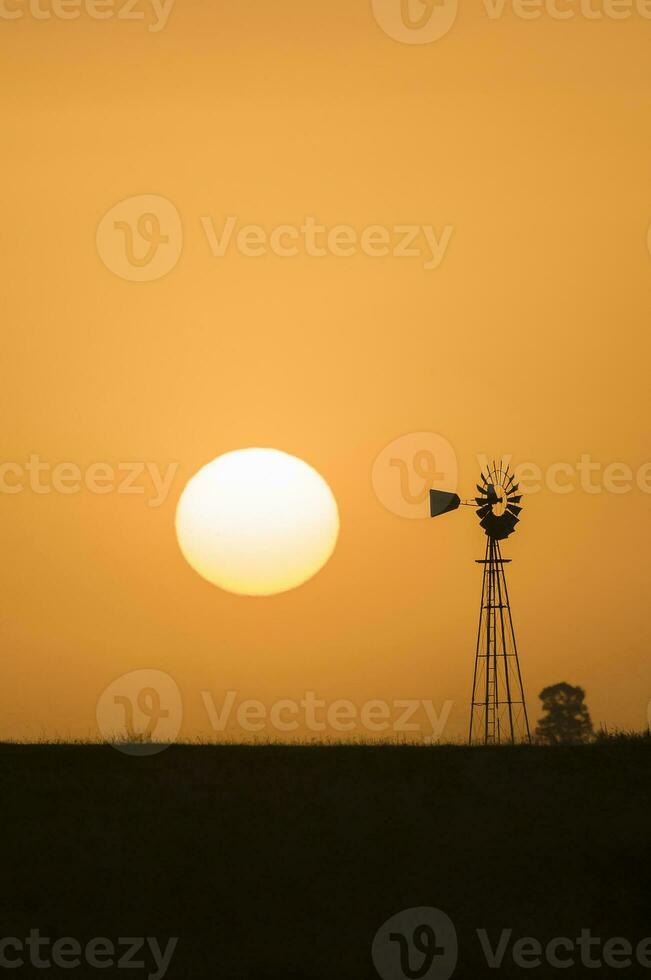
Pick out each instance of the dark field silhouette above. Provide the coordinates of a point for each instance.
(283, 862)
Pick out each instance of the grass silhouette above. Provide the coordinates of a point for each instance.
(271, 860)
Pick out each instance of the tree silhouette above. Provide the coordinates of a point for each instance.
(566, 720)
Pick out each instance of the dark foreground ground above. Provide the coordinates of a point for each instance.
(283, 863)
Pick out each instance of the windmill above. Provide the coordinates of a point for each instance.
(498, 712)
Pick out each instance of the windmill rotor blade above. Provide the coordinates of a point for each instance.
(499, 527)
(514, 499)
(512, 509)
(483, 511)
(481, 489)
(490, 522)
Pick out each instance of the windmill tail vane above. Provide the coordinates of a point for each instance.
(498, 710)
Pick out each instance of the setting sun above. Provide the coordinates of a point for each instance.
(257, 522)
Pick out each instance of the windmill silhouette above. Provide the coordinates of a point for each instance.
(498, 712)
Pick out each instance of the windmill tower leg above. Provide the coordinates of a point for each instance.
(517, 704)
(478, 712)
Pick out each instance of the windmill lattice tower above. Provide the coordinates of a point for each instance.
(498, 711)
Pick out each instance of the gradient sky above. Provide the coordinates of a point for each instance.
(530, 139)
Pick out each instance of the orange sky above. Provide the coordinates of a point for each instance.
(528, 139)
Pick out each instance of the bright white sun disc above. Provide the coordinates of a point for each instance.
(257, 522)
